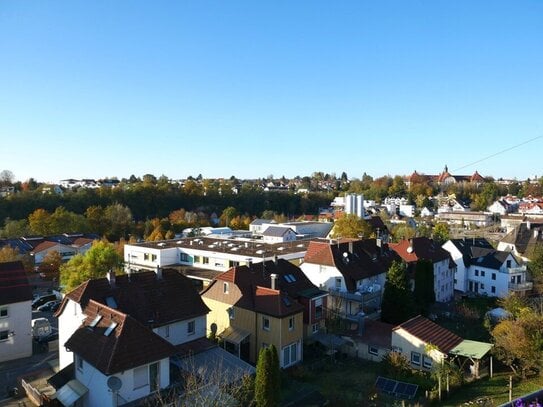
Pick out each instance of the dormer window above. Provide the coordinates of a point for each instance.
(110, 328)
(95, 321)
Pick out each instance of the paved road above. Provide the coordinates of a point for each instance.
(13, 369)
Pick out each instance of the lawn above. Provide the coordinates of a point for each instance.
(346, 382)
(492, 392)
(350, 382)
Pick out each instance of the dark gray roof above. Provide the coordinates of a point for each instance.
(276, 231)
(257, 222)
(479, 252)
(525, 238)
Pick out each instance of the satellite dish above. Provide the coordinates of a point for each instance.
(114, 383)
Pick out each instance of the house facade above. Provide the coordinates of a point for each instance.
(264, 304)
(422, 248)
(123, 335)
(15, 312)
(483, 270)
(423, 342)
(352, 271)
(278, 234)
(218, 254)
(523, 240)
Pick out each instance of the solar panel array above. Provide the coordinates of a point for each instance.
(396, 388)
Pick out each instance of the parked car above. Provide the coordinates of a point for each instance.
(41, 327)
(48, 306)
(53, 336)
(43, 299)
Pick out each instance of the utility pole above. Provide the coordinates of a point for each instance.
(510, 388)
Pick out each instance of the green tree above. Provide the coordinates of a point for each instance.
(119, 220)
(440, 233)
(403, 231)
(424, 285)
(351, 226)
(101, 257)
(15, 228)
(397, 305)
(275, 373)
(264, 396)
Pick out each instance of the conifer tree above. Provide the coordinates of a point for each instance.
(264, 396)
(397, 305)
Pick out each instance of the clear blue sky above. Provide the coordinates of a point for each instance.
(92, 89)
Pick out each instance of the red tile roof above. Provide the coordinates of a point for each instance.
(430, 333)
(254, 283)
(14, 285)
(420, 248)
(129, 345)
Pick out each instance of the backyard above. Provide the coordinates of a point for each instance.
(351, 382)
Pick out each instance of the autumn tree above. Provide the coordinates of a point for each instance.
(228, 214)
(351, 226)
(8, 253)
(518, 342)
(397, 305)
(39, 222)
(95, 263)
(51, 263)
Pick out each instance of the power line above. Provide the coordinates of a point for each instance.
(498, 153)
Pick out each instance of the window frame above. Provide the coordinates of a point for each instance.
(415, 355)
(193, 325)
(427, 362)
(143, 376)
(291, 324)
(266, 323)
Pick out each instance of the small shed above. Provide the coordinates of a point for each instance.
(474, 352)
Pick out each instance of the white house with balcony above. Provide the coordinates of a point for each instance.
(483, 270)
(352, 271)
(15, 312)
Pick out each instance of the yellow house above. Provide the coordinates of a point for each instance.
(247, 316)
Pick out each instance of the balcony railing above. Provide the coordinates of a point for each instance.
(528, 285)
(355, 296)
(513, 270)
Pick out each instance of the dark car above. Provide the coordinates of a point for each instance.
(43, 300)
(48, 306)
(53, 336)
